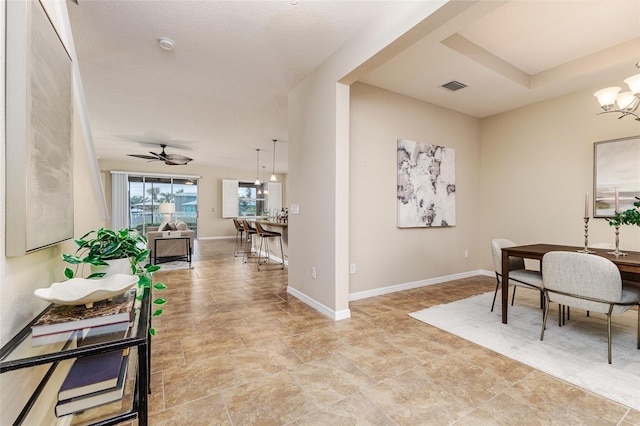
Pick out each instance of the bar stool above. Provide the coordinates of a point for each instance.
(239, 236)
(266, 235)
(250, 231)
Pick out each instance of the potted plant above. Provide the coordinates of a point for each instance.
(98, 248)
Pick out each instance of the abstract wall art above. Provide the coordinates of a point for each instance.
(426, 190)
(39, 131)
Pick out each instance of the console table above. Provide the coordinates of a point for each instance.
(19, 353)
(160, 259)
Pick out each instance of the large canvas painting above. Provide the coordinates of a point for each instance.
(616, 166)
(39, 131)
(426, 185)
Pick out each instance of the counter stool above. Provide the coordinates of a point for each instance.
(266, 235)
(250, 231)
(239, 236)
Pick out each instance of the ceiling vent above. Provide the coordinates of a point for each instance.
(454, 85)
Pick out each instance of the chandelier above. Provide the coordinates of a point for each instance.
(627, 102)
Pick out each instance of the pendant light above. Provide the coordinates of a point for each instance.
(257, 182)
(273, 170)
(265, 189)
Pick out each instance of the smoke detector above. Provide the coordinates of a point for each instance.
(166, 43)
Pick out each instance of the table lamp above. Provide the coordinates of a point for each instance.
(166, 209)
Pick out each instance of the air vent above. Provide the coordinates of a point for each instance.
(454, 85)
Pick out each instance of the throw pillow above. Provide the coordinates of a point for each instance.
(163, 226)
(181, 226)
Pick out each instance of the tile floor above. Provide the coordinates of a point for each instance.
(233, 348)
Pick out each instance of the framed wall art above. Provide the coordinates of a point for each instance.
(616, 167)
(39, 131)
(426, 188)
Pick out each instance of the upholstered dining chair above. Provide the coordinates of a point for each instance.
(588, 282)
(518, 274)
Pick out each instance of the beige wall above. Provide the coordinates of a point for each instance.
(386, 255)
(537, 165)
(211, 224)
(20, 275)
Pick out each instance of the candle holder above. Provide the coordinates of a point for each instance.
(617, 251)
(586, 237)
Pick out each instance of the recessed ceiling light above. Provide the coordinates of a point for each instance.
(166, 43)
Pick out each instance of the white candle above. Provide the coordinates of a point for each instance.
(617, 209)
(586, 205)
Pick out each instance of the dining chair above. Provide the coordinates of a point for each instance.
(265, 236)
(588, 282)
(518, 274)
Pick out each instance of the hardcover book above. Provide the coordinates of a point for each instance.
(91, 374)
(87, 336)
(61, 318)
(84, 402)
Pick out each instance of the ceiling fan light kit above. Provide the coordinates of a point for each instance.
(627, 101)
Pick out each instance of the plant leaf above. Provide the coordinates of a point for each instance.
(152, 331)
(159, 301)
(68, 273)
(159, 286)
(157, 312)
(97, 275)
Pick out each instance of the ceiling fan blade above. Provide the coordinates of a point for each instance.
(146, 157)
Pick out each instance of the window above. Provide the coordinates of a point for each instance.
(147, 192)
(244, 199)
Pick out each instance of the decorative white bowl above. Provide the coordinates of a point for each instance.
(81, 291)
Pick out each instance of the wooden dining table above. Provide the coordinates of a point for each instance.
(628, 265)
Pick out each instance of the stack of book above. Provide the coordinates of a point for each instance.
(96, 379)
(61, 321)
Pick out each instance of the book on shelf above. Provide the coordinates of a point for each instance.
(91, 374)
(87, 336)
(105, 396)
(61, 318)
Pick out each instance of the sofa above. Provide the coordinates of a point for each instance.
(169, 249)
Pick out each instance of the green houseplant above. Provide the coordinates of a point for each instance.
(96, 248)
(626, 217)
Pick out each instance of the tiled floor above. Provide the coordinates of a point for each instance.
(233, 348)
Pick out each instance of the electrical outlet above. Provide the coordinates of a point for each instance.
(352, 268)
(295, 209)
(466, 254)
(313, 273)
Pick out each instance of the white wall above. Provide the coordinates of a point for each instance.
(20, 275)
(537, 164)
(384, 254)
(210, 223)
(319, 159)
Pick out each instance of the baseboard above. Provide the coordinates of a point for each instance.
(417, 284)
(214, 238)
(320, 307)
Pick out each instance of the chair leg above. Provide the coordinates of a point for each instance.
(495, 292)
(609, 336)
(513, 297)
(260, 251)
(281, 252)
(544, 317)
(638, 329)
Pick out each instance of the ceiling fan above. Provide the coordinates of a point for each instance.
(169, 159)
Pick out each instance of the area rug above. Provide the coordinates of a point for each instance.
(575, 352)
(174, 266)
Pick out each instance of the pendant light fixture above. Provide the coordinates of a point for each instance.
(273, 170)
(265, 189)
(257, 182)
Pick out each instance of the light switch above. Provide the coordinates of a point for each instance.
(295, 209)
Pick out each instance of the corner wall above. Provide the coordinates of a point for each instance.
(536, 166)
(386, 255)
